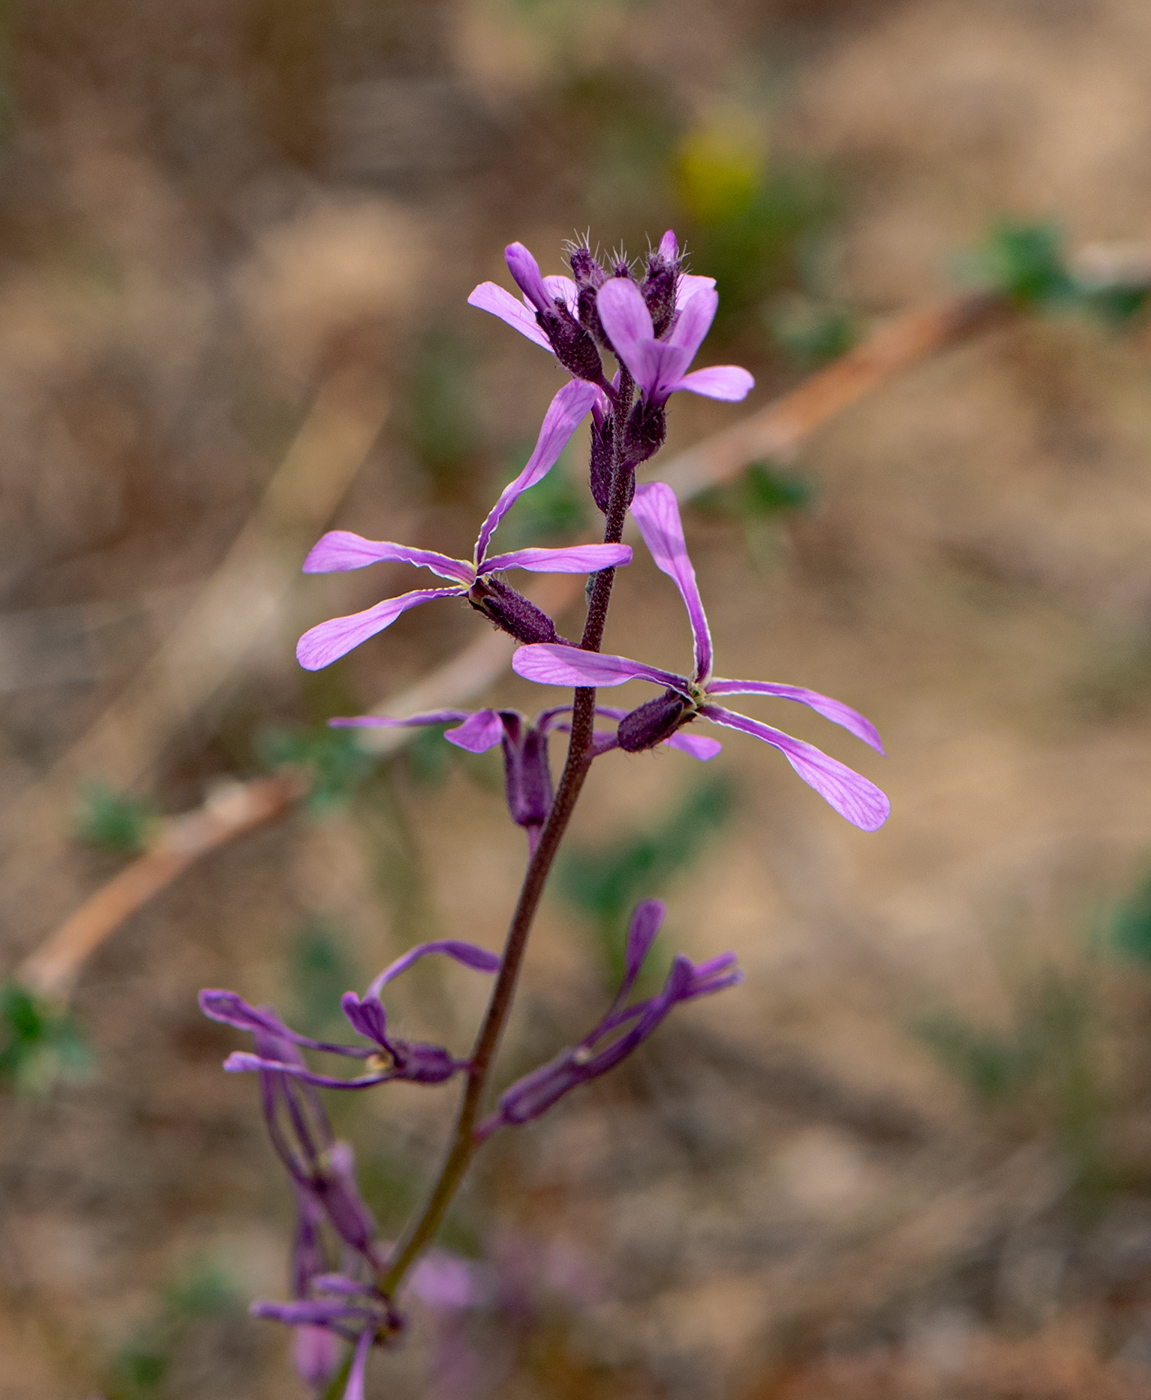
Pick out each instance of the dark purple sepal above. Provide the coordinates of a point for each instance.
(528, 778)
(573, 347)
(601, 464)
(645, 432)
(511, 611)
(422, 1064)
(653, 722)
(336, 1190)
(658, 289)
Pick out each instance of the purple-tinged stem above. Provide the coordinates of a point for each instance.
(581, 751)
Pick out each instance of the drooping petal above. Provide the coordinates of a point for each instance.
(470, 954)
(391, 722)
(367, 1018)
(628, 324)
(565, 413)
(319, 1312)
(242, 1062)
(571, 559)
(490, 296)
(727, 382)
(549, 663)
(852, 796)
(322, 645)
(315, 1353)
(340, 550)
(262, 1022)
(478, 733)
(834, 710)
(687, 286)
(526, 272)
(656, 512)
(698, 745)
(641, 934)
(356, 1376)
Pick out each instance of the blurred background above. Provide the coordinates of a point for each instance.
(911, 1156)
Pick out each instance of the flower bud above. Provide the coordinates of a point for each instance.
(653, 722)
(511, 611)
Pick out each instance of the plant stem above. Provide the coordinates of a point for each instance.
(463, 1146)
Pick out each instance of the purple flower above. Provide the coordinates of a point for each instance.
(355, 1313)
(474, 579)
(621, 1030)
(388, 1057)
(659, 365)
(687, 697)
(526, 773)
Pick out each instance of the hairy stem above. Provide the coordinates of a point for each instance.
(463, 1146)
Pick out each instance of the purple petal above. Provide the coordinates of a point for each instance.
(443, 1280)
(563, 289)
(713, 976)
(572, 559)
(727, 382)
(526, 272)
(489, 296)
(694, 322)
(688, 285)
(834, 710)
(341, 1285)
(478, 733)
(368, 1017)
(852, 796)
(315, 1353)
(565, 413)
(641, 934)
(656, 512)
(391, 722)
(627, 322)
(340, 550)
(355, 1389)
(241, 1062)
(549, 663)
(322, 645)
(668, 248)
(470, 954)
(319, 1312)
(698, 745)
(233, 1010)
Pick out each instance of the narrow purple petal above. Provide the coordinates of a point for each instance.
(340, 550)
(241, 1062)
(319, 1312)
(470, 954)
(694, 321)
(322, 645)
(834, 710)
(565, 413)
(356, 1376)
(549, 663)
(627, 322)
(526, 272)
(698, 745)
(315, 1353)
(489, 296)
(668, 249)
(687, 286)
(443, 1280)
(656, 512)
(727, 382)
(367, 1018)
(391, 722)
(572, 559)
(641, 934)
(233, 1010)
(478, 733)
(852, 796)
(341, 1285)
(563, 288)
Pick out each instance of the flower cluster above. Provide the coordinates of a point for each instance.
(652, 323)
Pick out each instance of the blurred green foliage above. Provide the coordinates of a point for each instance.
(333, 759)
(441, 415)
(112, 821)
(142, 1366)
(761, 489)
(319, 973)
(1046, 1072)
(40, 1045)
(606, 881)
(810, 332)
(1131, 923)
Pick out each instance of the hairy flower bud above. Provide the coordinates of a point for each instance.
(511, 611)
(573, 346)
(645, 433)
(653, 722)
(601, 464)
(528, 777)
(658, 287)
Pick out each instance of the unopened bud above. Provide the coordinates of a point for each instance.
(653, 722)
(511, 611)
(646, 430)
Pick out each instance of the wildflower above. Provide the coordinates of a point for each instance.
(386, 1059)
(527, 776)
(686, 698)
(621, 1030)
(474, 579)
